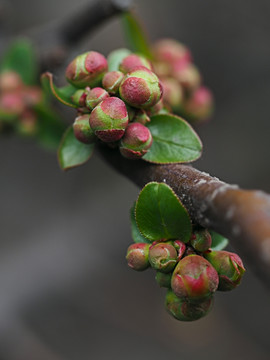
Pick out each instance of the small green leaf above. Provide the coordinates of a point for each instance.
(135, 232)
(115, 58)
(161, 215)
(62, 94)
(71, 152)
(50, 127)
(174, 140)
(219, 242)
(135, 35)
(21, 58)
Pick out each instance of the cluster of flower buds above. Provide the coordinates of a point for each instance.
(114, 106)
(182, 81)
(17, 102)
(191, 272)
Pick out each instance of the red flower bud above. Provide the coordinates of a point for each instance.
(201, 240)
(183, 310)
(141, 88)
(136, 141)
(132, 61)
(109, 119)
(194, 279)
(112, 80)
(163, 280)
(200, 104)
(82, 129)
(79, 97)
(137, 256)
(87, 69)
(163, 257)
(95, 96)
(229, 267)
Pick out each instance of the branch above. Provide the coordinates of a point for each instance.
(240, 215)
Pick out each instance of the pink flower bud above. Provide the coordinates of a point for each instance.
(87, 69)
(188, 75)
(136, 141)
(163, 257)
(82, 129)
(194, 278)
(171, 51)
(12, 103)
(137, 256)
(141, 88)
(112, 80)
(109, 119)
(200, 104)
(201, 240)
(95, 96)
(183, 310)
(10, 81)
(132, 61)
(173, 93)
(229, 267)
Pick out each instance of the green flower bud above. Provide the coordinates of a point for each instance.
(201, 240)
(163, 257)
(112, 80)
(163, 280)
(141, 88)
(136, 141)
(137, 256)
(87, 69)
(133, 61)
(229, 267)
(79, 97)
(194, 279)
(180, 247)
(183, 310)
(82, 129)
(95, 96)
(140, 116)
(109, 119)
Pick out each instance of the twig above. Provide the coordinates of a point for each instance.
(242, 216)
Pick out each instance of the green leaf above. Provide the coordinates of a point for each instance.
(50, 127)
(62, 94)
(21, 58)
(135, 232)
(115, 58)
(174, 140)
(71, 152)
(135, 35)
(219, 242)
(161, 215)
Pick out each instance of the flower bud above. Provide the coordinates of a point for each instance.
(201, 240)
(141, 117)
(136, 141)
(163, 257)
(10, 81)
(173, 92)
(79, 97)
(12, 103)
(112, 80)
(87, 69)
(200, 104)
(180, 247)
(188, 75)
(156, 109)
(183, 310)
(171, 51)
(141, 88)
(95, 96)
(132, 61)
(109, 119)
(82, 129)
(137, 256)
(229, 267)
(163, 280)
(194, 278)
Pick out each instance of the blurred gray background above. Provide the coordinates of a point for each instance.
(66, 291)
